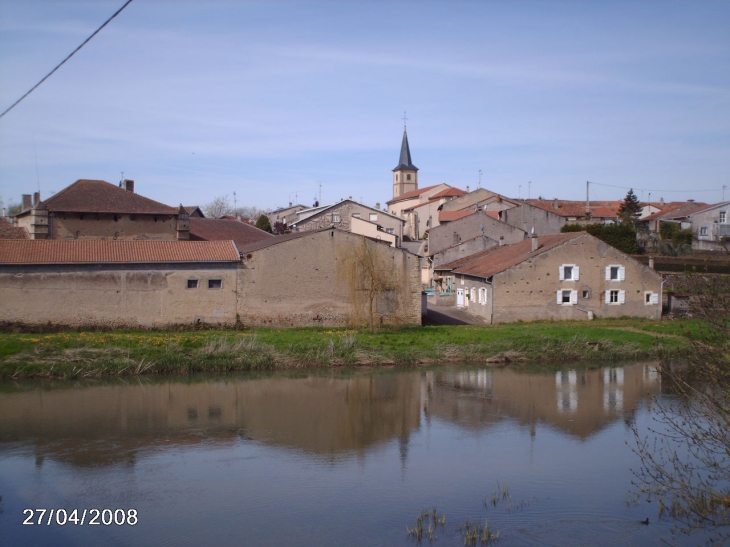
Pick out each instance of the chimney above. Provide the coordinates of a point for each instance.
(36, 198)
(128, 185)
(467, 189)
(661, 201)
(5, 212)
(533, 237)
(377, 206)
(556, 205)
(27, 202)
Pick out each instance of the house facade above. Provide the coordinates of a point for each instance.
(569, 276)
(95, 209)
(470, 226)
(711, 226)
(351, 216)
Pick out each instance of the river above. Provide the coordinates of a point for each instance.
(327, 458)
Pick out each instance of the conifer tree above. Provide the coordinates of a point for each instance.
(630, 209)
(263, 223)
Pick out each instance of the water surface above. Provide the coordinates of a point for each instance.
(330, 459)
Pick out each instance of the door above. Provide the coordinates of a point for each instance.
(460, 297)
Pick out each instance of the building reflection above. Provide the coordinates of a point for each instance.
(110, 424)
(578, 402)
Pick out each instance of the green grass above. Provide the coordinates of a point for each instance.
(119, 353)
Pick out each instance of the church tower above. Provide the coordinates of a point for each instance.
(405, 176)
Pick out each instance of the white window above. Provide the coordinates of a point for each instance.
(723, 217)
(373, 217)
(615, 297)
(335, 217)
(703, 230)
(615, 272)
(567, 297)
(569, 272)
(651, 298)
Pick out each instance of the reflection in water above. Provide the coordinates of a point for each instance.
(270, 460)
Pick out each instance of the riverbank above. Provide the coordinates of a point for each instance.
(120, 353)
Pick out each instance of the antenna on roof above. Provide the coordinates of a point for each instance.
(479, 184)
(121, 178)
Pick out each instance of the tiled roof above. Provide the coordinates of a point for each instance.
(221, 229)
(413, 194)
(498, 259)
(194, 210)
(602, 209)
(10, 231)
(710, 207)
(278, 239)
(449, 192)
(461, 261)
(676, 210)
(448, 216)
(98, 196)
(93, 251)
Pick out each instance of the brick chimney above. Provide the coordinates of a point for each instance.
(27, 202)
(36, 198)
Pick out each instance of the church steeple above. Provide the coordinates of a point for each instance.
(405, 175)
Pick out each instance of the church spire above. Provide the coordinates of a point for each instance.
(405, 176)
(405, 155)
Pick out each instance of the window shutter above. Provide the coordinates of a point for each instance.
(573, 297)
(608, 275)
(560, 297)
(655, 298)
(576, 273)
(622, 273)
(622, 297)
(561, 273)
(608, 297)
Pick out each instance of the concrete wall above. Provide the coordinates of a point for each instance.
(370, 229)
(463, 250)
(469, 200)
(298, 283)
(526, 217)
(528, 291)
(117, 295)
(103, 226)
(453, 233)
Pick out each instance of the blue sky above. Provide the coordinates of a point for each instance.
(269, 99)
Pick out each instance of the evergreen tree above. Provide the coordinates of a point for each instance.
(263, 224)
(630, 209)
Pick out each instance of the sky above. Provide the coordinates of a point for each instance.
(278, 101)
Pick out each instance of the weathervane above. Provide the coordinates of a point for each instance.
(404, 120)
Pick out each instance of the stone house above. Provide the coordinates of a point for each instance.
(97, 283)
(286, 215)
(711, 226)
(425, 216)
(320, 277)
(561, 276)
(472, 200)
(351, 216)
(474, 224)
(95, 209)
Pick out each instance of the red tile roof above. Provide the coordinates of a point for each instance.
(10, 231)
(93, 251)
(412, 194)
(676, 210)
(599, 209)
(447, 216)
(98, 196)
(449, 192)
(216, 229)
(498, 259)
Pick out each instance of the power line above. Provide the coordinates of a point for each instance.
(59, 65)
(652, 189)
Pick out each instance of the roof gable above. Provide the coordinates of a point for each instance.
(221, 229)
(98, 196)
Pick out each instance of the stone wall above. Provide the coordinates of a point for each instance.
(300, 282)
(114, 296)
(453, 233)
(526, 217)
(112, 226)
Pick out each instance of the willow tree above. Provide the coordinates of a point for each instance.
(375, 282)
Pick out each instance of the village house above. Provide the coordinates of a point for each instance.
(475, 224)
(328, 277)
(286, 215)
(351, 216)
(675, 212)
(561, 276)
(114, 284)
(711, 226)
(95, 209)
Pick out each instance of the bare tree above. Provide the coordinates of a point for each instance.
(220, 206)
(685, 463)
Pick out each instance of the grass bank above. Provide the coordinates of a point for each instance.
(118, 353)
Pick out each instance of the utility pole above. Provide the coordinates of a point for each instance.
(529, 185)
(723, 191)
(479, 184)
(588, 201)
(519, 191)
